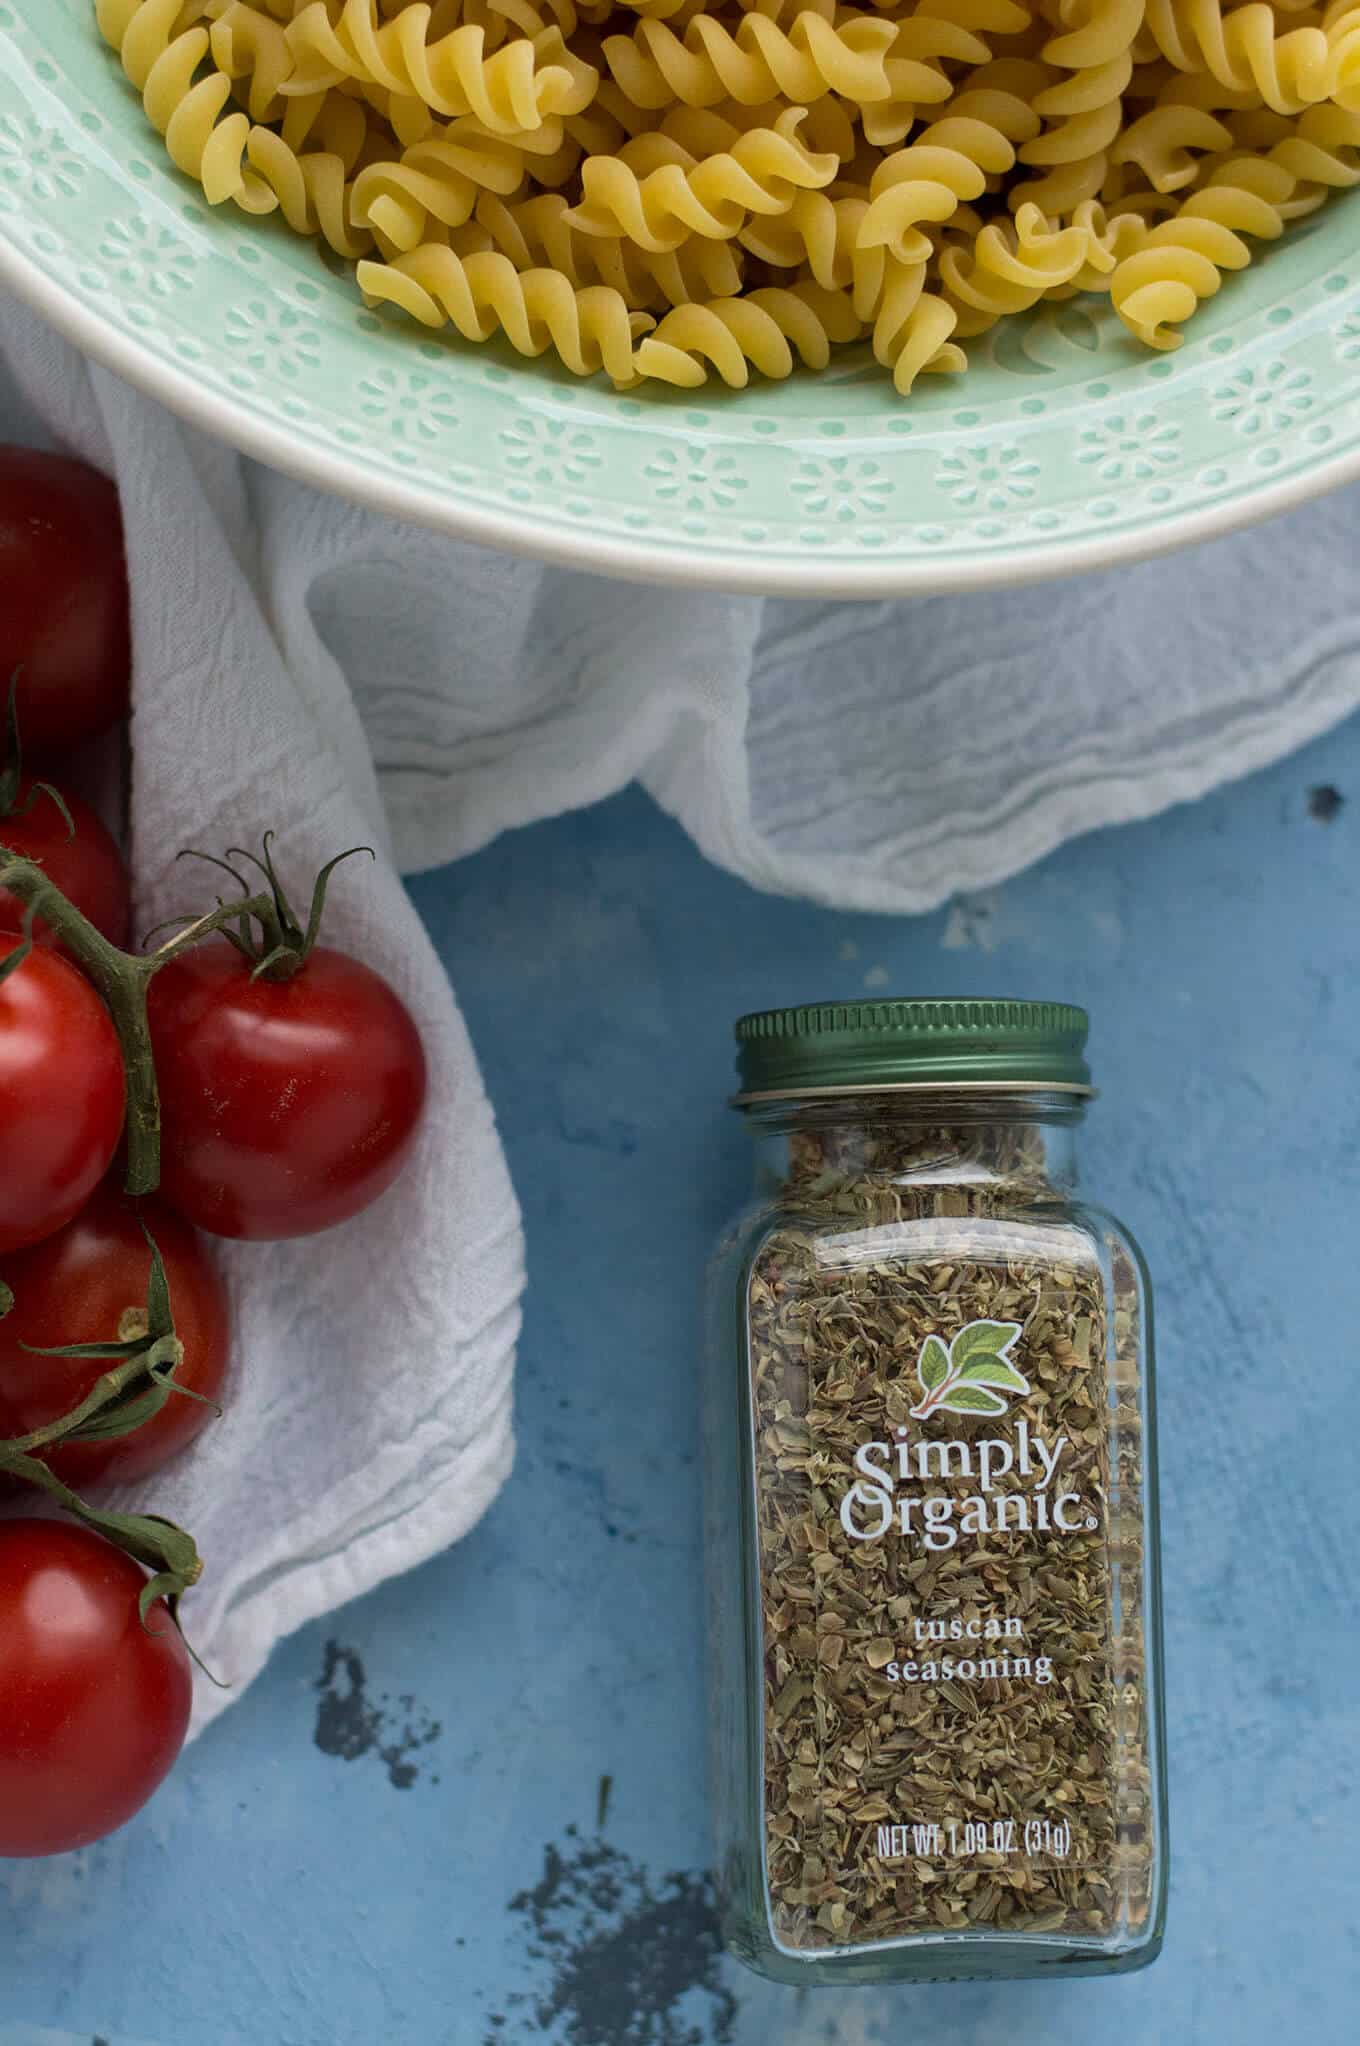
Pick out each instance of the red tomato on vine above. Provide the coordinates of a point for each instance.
(94, 1705)
(87, 1284)
(62, 1093)
(76, 851)
(291, 1084)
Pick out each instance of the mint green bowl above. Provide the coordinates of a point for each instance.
(1063, 448)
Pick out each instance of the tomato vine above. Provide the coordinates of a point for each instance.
(122, 980)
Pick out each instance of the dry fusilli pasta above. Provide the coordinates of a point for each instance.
(765, 328)
(590, 328)
(757, 60)
(657, 193)
(519, 85)
(673, 190)
(1182, 260)
(164, 47)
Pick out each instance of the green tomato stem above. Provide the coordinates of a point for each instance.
(107, 1388)
(122, 980)
(157, 1544)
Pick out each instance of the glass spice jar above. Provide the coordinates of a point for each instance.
(931, 1512)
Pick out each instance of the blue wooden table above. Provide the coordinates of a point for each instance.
(470, 1810)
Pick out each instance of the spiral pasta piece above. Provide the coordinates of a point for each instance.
(1242, 50)
(656, 193)
(333, 122)
(1341, 26)
(866, 60)
(1009, 268)
(1165, 144)
(1321, 152)
(1322, 147)
(248, 44)
(536, 310)
(1082, 114)
(310, 190)
(537, 233)
(920, 50)
(163, 61)
(764, 330)
(817, 231)
(948, 166)
(827, 129)
(531, 17)
(679, 11)
(1182, 260)
(440, 180)
(1110, 238)
(782, 11)
(1087, 108)
(406, 203)
(936, 34)
(989, 18)
(756, 61)
(912, 326)
(519, 86)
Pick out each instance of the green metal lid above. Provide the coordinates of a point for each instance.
(858, 1047)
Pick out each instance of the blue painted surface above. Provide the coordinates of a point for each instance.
(276, 1894)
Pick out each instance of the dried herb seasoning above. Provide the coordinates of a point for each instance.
(937, 1728)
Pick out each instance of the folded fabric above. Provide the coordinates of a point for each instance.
(369, 1418)
(305, 664)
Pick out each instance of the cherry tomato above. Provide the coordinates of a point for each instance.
(63, 599)
(75, 1288)
(88, 868)
(286, 1106)
(93, 1707)
(62, 1095)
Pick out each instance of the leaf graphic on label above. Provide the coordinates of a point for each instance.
(993, 1371)
(973, 1399)
(982, 1338)
(933, 1368)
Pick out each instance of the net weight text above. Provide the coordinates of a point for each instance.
(960, 1838)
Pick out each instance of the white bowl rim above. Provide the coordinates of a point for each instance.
(629, 560)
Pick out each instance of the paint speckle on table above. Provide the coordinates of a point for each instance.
(973, 924)
(1325, 803)
(349, 1725)
(627, 1959)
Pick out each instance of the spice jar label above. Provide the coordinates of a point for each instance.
(932, 1462)
(1017, 1478)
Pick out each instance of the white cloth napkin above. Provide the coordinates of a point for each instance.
(304, 663)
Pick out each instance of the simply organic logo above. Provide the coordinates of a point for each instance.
(1003, 1484)
(973, 1375)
